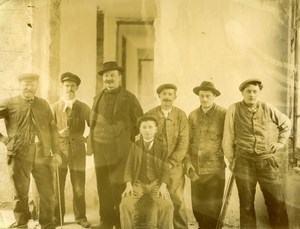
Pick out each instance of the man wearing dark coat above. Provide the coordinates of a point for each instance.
(32, 148)
(204, 162)
(113, 129)
(71, 116)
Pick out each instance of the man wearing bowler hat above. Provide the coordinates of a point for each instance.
(32, 148)
(249, 141)
(71, 116)
(113, 129)
(173, 131)
(205, 160)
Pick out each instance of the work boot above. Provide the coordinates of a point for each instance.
(84, 223)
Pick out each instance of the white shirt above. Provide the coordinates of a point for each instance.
(166, 112)
(68, 103)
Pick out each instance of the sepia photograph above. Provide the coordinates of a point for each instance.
(144, 114)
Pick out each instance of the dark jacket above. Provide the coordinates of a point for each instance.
(126, 112)
(16, 113)
(133, 165)
(206, 134)
(79, 117)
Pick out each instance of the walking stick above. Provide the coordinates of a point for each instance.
(226, 199)
(59, 198)
(225, 203)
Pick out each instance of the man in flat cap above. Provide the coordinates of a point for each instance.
(248, 142)
(173, 130)
(32, 147)
(113, 129)
(205, 160)
(71, 117)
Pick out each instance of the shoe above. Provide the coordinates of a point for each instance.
(17, 226)
(84, 223)
(102, 225)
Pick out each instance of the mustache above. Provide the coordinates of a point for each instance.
(166, 100)
(27, 90)
(109, 81)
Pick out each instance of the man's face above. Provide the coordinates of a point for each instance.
(69, 89)
(207, 99)
(148, 129)
(250, 94)
(167, 97)
(29, 87)
(112, 79)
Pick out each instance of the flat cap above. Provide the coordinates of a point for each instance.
(207, 86)
(250, 81)
(166, 86)
(28, 76)
(69, 76)
(146, 118)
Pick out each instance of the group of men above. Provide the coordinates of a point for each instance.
(141, 160)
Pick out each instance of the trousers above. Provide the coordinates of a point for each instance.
(207, 195)
(30, 159)
(144, 209)
(267, 174)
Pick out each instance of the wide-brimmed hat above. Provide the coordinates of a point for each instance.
(69, 76)
(28, 76)
(166, 86)
(207, 86)
(250, 81)
(109, 66)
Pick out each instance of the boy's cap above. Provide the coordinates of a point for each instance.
(145, 118)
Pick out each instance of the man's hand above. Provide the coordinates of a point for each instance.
(163, 192)
(188, 168)
(64, 132)
(275, 146)
(128, 190)
(56, 160)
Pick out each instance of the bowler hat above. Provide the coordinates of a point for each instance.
(69, 76)
(28, 76)
(166, 86)
(146, 118)
(251, 81)
(109, 66)
(207, 86)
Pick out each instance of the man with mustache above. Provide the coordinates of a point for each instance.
(205, 161)
(173, 130)
(250, 143)
(71, 116)
(32, 148)
(113, 129)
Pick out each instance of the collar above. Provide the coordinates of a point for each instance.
(252, 109)
(114, 91)
(28, 100)
(68, 103)
(208, 112)
(148, 143)
(166, 112)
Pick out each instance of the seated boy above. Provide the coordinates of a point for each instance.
(146, 173)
